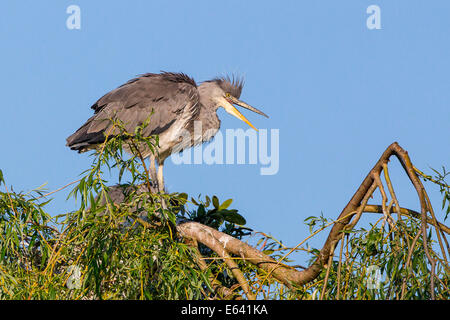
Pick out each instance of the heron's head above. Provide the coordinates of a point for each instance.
(225, 93)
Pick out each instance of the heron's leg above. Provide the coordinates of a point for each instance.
(161, 183)
(161, 177)
(152, 171)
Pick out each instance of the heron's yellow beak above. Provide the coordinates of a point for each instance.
(233, 111)
(227, 104)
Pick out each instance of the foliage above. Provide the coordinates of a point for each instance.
(130, 249)
(439, 179)
(377, 263)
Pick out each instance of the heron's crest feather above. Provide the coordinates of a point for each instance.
(232, 85)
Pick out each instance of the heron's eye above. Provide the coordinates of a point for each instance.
(227, 95)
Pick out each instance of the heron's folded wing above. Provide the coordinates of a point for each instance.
(166, 94)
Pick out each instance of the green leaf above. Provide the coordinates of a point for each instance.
(217, 216)
(215, 202)
(225, 204)
(122, 169)
(201, 211)
(183, 196)
(233, 217)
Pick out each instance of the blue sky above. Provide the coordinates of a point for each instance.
(338, 92)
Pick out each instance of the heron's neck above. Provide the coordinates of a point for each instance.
(207, 114)
(206, 92)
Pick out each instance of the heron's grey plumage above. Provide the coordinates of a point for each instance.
(176, 101)
(233, 85)
(167, 94)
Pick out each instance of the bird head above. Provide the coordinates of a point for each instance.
(226, 94)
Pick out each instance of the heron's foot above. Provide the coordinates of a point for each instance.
(154, 180)
(154, 186)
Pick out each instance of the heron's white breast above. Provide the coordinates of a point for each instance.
(173, 136)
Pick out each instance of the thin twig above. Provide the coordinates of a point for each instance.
(436, 224)
(59, 189)
(379, 184)
(330, 265)
(339, 267)
(408, 260)
(393, 196)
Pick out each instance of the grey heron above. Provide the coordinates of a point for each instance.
(176, 102)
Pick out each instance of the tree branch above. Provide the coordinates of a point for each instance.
(224, 245)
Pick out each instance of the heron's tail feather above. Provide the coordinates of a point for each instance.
(82, 140)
